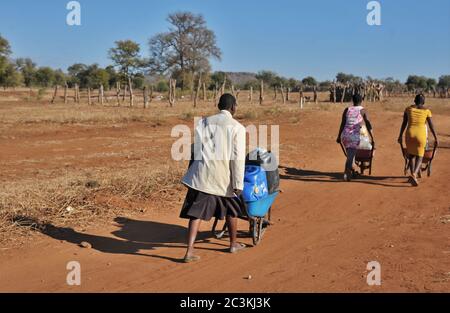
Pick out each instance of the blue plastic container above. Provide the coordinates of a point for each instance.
(255, 183)
(259, 208)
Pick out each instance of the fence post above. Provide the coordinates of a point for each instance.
(55, 94)
(145, 94)
(130, 87)
(118, 93)
(65, 93)
(89, 96)
(204, 91)
(282, 94)
(261, 93)
(102, 99)
(151, 94)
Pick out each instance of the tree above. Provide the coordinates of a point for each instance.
(89, 76)
(431, 84)
(45, 77)
(444, 82)
(217, 79)
(75, 72)
(60, 78)
(5, 48)
(184, 51)
(162, 86)
(309, 81)
(10, 76)
(415, 82)
(114, 77)
(325, 85)
(139, 81)
(126, 57)
(28, 69)
(348, 78)
(269, 78)
(5, 66)
(94, 77)
(392, 85)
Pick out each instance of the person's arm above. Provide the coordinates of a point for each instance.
(402, 128)
(430, 124)
(341, 128)
(237, 162)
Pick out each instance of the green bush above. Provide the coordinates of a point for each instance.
(162, 86)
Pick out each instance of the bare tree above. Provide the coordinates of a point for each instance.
(185, 49)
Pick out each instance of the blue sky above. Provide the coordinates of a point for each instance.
(294, 38)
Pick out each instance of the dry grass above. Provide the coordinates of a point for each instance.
(80, 200)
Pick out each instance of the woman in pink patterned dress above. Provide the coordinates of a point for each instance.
(349, 132)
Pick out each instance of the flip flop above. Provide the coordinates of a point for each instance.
(413, 181)
(236, 250)
(347, 176)
(190, 259)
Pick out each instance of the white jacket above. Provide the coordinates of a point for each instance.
(219, 156)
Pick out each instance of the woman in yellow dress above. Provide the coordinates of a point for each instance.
(416, 117)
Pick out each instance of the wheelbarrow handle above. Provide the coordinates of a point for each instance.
(343, 149)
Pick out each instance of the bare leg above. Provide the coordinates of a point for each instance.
(418, 165)
(232, 228)
(351, 153)
(194, 225)
(411, 164)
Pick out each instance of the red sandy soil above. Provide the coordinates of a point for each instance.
(325, 231)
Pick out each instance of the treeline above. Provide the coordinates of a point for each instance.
(183, 55)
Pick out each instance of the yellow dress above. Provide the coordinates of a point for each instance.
(416, 133)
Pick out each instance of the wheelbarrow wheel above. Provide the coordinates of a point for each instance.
(257, 230)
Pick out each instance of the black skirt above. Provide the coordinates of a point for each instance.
(200, 205)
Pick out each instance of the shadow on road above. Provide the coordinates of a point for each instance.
(132, 237)
(291, 173)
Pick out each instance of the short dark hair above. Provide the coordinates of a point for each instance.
(419, 99)
(357, 99)
(226, 101)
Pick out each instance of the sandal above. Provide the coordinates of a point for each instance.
(413, 181)
(190, 259)
(237, 249)
(347, 175)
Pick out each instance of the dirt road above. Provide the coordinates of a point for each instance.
(325, 231)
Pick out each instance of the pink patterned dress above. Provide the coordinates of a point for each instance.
(351, 134)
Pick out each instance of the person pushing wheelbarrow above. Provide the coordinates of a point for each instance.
(215, 178)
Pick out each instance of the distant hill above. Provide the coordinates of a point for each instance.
(237, 78)
(240, 78)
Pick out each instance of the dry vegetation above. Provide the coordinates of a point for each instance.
(78, 197)
(76, 200)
